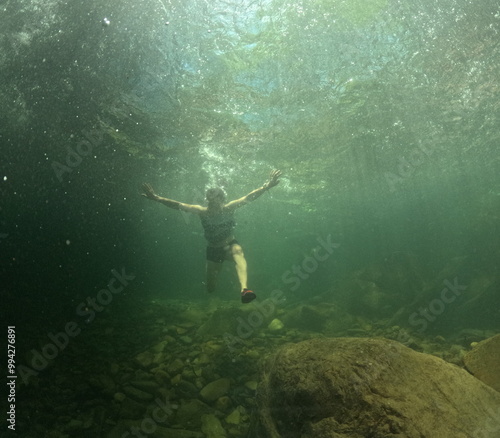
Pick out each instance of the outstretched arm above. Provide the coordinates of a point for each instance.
(253, 195)
(176, 205)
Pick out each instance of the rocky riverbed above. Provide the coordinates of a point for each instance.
(188, 370)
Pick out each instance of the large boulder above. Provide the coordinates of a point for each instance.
(357, 388)
(483, 362)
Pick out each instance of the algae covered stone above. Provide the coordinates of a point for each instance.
(251, 384)
(190, 412)
(223, 320)
(212, 427)
(275, 325)
(215, 389)
(234, 417)
(137, 394)
(119, 397)
(145, 359)
(175, 366)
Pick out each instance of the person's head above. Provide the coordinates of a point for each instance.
(215, 196)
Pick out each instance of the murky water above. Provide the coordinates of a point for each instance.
(383, 116)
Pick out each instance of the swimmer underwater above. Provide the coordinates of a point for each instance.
(218, 223)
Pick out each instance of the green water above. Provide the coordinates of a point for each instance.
(382, 115)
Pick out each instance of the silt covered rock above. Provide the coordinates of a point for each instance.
(357, 388)
(483, 362)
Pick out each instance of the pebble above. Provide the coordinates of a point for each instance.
(73, 426)
(275, 325)
(145, 359)
(212, 427)
(175, 366)
(119, 397)
(252, 384)
(145, 385)
(223, 403)
(234, 417)
(137, 394)
(215, 389)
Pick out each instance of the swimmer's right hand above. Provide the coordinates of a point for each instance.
(149, 192)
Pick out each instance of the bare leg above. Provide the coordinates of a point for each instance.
(213, 270)
(241, 265)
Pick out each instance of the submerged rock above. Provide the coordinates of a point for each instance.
(175, 366)
(358, 387)
(212, 427)
(137, 394)
(215, 389)
(145, 359)
(190, 412)
(275, 325)
(223, 320)
(131, 409)
(483, 362)
(223, 403)
(234, 417)
(119, 397)
(251, 384)
(127, 428)
(238, 321)
(73, 426)
(145, 385)
(104, 383)
(162, 432)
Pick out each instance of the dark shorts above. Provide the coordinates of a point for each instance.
(217, 254)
